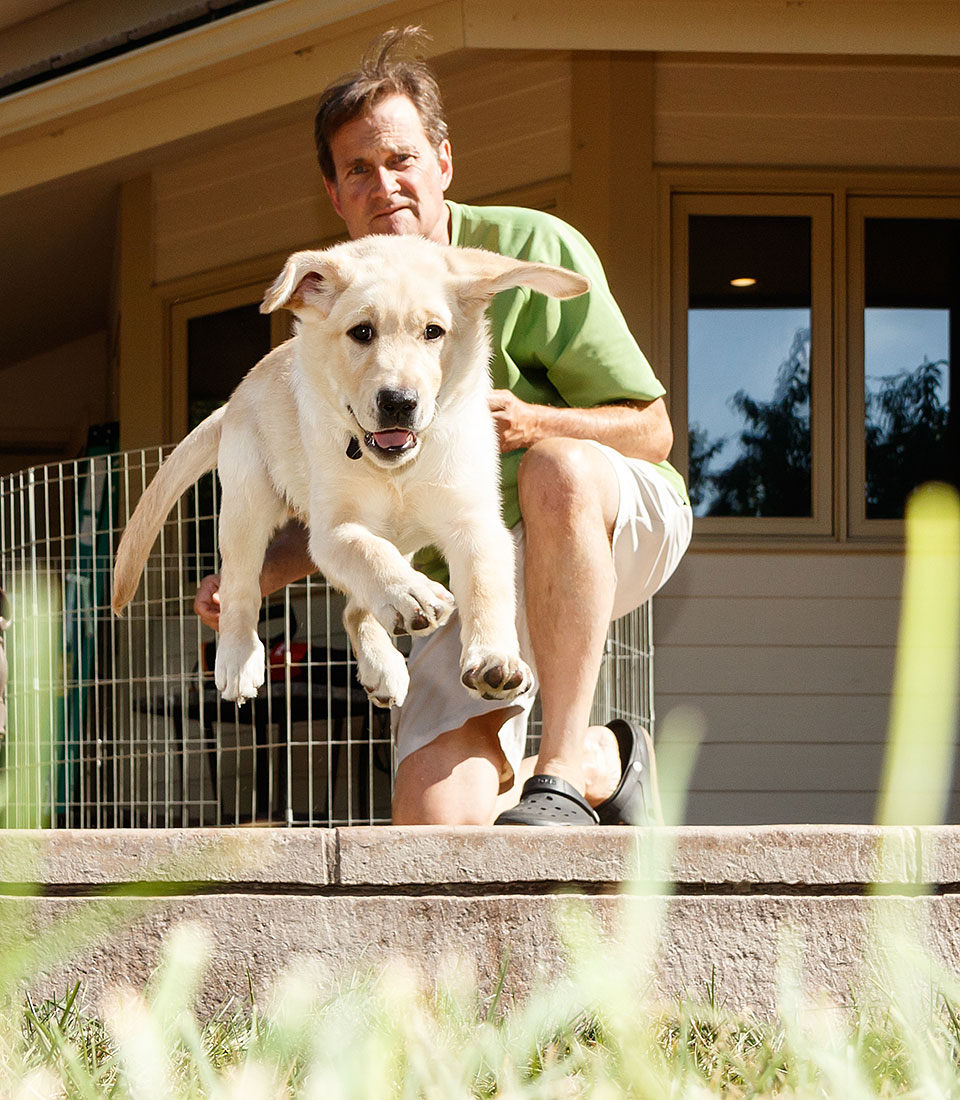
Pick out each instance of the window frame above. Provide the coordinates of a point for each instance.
(859, 208)
(819, 207)
(182, 311)
(940, 188)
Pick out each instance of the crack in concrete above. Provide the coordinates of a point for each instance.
(153, 890)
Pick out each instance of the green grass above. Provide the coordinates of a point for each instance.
(388, 1035)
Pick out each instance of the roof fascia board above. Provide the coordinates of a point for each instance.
(89, 121)
(202, 49)
(893, 28)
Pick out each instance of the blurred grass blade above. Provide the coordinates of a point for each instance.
(35, 692)
(918, 763)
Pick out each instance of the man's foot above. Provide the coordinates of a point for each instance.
(602, 769)
(635, 800)
(619, 775)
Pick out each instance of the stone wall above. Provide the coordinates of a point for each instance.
(689, 909)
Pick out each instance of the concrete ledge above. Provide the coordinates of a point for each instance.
(723, 899)
(100, 859)
(386, 858)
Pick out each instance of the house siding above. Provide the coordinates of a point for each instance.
(789, 657)
(789, 660)
(264, 193)
(792, 112)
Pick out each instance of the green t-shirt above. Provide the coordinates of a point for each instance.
(578, 352)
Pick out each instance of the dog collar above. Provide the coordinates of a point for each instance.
(353, 448)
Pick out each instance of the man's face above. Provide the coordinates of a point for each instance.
(390, 179)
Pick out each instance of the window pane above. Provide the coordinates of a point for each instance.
(748, 365)
(221, 348)
(910, 295)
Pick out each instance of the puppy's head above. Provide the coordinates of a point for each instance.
(387, 321)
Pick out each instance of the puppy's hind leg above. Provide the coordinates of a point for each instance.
(381, 669)
(250, 512)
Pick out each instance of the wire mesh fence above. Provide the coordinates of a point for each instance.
(117, 722)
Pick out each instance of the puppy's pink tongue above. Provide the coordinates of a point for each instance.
(388, 440)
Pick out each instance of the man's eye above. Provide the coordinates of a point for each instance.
(363, 334)
(433, 332)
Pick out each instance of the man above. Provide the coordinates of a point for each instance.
(585, 436)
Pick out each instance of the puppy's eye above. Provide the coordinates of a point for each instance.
(433, 332)
(363, 334)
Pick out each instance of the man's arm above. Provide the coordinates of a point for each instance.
(287, 560)
(637, 429)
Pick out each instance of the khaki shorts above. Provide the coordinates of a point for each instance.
(651, 533)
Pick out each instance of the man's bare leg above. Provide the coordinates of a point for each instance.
(569, 497)
(454, 779)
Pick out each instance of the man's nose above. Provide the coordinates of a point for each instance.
(385, 182)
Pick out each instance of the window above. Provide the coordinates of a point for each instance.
(221, 348)
(784, 431)
(751, 297)
(748, 365)
(904, 308)
(215, 339)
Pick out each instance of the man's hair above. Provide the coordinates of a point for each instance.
(384, 71)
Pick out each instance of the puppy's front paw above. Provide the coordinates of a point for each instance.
(495, 675)
(239, 669)
(416, 608)
(384, 679)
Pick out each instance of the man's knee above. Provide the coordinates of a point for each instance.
(454, 779)
(566, 479)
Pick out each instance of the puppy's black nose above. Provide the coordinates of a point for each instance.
(397, 407)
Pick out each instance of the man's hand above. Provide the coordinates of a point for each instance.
(287, 560)
(206, 603)
(516, 420)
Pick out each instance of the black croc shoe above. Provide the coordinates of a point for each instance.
(549, 800)
(636, 800)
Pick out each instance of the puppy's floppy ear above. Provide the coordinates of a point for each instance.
(484, 274)
(308, 279)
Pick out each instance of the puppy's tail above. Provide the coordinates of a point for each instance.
(193, 457)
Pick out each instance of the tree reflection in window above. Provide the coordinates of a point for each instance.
(748, 365)
(906, 433)
(771, 473)
(911, 296)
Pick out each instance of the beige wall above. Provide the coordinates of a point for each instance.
(805, 112)
(510, 120)
(50, 401)
(789, 658)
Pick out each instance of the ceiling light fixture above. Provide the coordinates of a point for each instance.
(745, 281)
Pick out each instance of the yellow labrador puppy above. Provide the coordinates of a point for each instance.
(371, 425)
